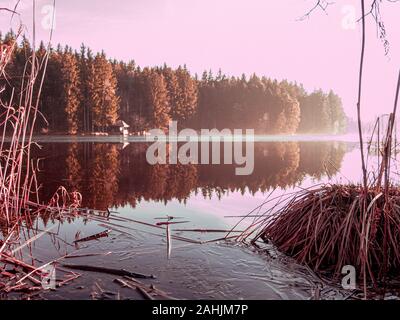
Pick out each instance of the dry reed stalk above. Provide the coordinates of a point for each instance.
(18, 121)
(325, 228)
(18, 184)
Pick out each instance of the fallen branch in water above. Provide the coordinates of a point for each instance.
(141, 288)
(152, 290)
(12, 260)
(208, 230)
(109, 225)
(88, 255)
(94, 237)
(33, 239)
(168, 223)
(6, 241)
(72, 278)
(145, 294)
(124, 283)
(117, 272)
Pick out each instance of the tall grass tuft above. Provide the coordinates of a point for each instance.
(18, 187)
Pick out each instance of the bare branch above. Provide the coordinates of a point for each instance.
(320, 4)
(374, 11)
(9, 10)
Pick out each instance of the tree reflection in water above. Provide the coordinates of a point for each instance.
(109, 175)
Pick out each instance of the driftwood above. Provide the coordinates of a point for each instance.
(94, 237)
(208, 230)
(168, 223)
(144, 293)
(117, 272)
(11, 260)
(137, 285)
(124, 283)
(168, 218)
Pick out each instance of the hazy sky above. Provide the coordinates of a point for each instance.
(238, 36)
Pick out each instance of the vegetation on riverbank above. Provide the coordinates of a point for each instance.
(331, 226)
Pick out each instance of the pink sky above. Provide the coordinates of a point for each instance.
(238, 36)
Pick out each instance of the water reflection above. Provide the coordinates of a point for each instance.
(114, 175)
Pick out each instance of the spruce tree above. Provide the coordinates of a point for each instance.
(103, 100)
(70, 93)
(188, 97)
(157, 99)
(85, 64)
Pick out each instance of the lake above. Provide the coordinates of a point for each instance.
(190, 263)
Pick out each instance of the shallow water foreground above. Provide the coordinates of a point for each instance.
(187, 264)
(217, 270)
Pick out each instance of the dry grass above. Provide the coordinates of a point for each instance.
(335, 225)
(18, 115)
(18, 185)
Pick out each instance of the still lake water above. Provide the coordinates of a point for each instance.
(116, 176)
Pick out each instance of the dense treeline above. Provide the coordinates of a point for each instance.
(86, 92)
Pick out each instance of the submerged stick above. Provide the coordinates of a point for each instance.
(11, 260)
(169, 246)
(29, 241)
(88, 255)
(136, 285)
(168, 223)
(124, 283)
(6, 241)
(110, 224)
(94, 237)
(117, 272)
(207, 230)
(144, 293)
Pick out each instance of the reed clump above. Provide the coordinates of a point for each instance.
(18, 114)
(19, 201)
(331, 226)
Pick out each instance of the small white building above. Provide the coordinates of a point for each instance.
(120, 127)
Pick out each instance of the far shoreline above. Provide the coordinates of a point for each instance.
(59, 138)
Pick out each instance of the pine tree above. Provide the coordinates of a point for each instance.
(125, 75)
(337, 115)
(102, 86)
(52, 91)
(172, 84)
(159, 99)
(85, 63)
(292, 112)
(188, 97)
(70, 93)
